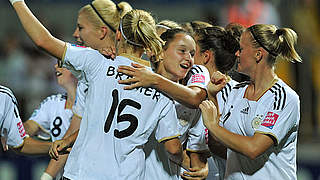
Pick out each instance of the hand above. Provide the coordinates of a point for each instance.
(109, 52)
(59, 147)
(141, 76)
(209, 114)
(196, 173)
(217, 83)
(14, 1)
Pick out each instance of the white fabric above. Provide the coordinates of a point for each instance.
(46, 176)
(102, 149)
(11, 128)
(14, 1)
(81, 93)
(52, 116)
(276, 113)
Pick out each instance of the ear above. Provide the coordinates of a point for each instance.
(207, 56)
(259, 55)
(103, 32)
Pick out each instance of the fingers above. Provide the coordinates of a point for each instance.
(137, 65)
(190, 176)
(53, 151)
(128, 81)
(126, 70)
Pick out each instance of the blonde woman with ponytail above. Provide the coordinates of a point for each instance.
(116, 123)
(259, 123)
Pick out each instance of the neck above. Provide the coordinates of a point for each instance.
(71, 92)
(260, 83)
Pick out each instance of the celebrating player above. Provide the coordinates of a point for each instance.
(121, 126)
(259, 122)
(12, 132)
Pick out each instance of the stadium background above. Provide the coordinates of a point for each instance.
(30, 74)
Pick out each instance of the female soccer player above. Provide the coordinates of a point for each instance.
(121, 126)
(12, 133)
(53, 116)
(259, 123)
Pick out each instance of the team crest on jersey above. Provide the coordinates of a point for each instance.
(76, 45)
(198, 78)
(256, 122)
(270, 120)
(183, 122)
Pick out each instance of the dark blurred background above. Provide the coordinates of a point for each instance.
(29, 72)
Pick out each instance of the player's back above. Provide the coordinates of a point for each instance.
(116, 123)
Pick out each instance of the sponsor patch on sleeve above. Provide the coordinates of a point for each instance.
(270, 120)
(22, 132)
(198, 78)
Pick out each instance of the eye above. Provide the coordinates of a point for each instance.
(182, 50)
(192, 53)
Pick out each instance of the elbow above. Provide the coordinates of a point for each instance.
(253, 153)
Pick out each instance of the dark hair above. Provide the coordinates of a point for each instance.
(222, 43)
(169, 36)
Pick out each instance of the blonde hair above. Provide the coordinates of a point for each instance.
(105, 13)
(167, 24)
(138, 29)
(277, 42)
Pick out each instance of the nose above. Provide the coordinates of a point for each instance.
(76, 33)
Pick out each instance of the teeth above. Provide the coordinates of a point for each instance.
(58, 73)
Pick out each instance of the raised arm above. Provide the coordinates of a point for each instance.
(36, 31)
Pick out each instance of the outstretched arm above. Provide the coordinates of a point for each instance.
(37, 32)
(142, 77)
(33, 147)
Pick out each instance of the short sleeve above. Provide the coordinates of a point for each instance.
(278, 122)
(83, 62)
(197, 137)
(78, 106)
(40, 115)
(167, 125)
(198, 76)
(12, 130)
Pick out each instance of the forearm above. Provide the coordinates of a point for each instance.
(72, 138)
(245, 145)
(74, 126)
(37, 32)
(34, 147)
(198, 160)
(188, 96)
(55, 166)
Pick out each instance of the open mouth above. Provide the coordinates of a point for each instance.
(185, 66)
(58, 73)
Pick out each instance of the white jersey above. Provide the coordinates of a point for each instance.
(116, 123)
(12, 131)
(198, 140)
(52, 117)
(79, 103)
(276, 114)
(158, 165)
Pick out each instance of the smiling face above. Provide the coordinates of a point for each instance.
(64, 76)
(246, 54)
(178, 57)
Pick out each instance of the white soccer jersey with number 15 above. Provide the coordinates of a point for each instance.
(116, 123)
(52, 117)
(276, 114)
(12, 131)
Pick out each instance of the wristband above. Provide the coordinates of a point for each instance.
(14, 1)
(46, 176)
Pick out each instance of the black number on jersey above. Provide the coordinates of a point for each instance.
(56, 130)
(122, 117)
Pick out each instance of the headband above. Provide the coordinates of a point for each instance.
(109, 26)
(265, 48)
(129, 41)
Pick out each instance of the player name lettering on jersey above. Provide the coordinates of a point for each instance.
(270, 120)
(153, 93)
